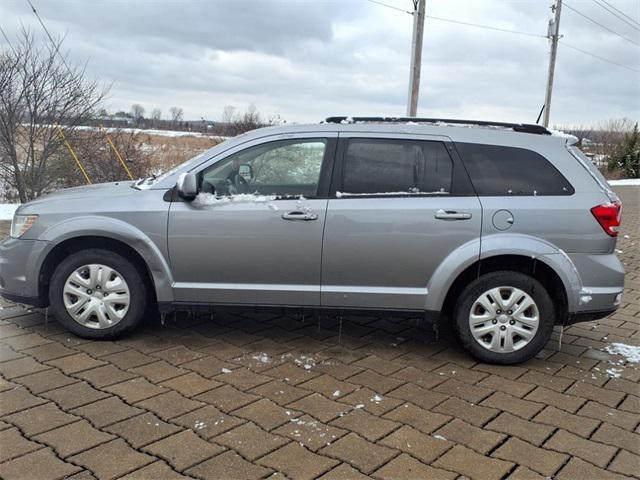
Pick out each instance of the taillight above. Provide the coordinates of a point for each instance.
(608, 216)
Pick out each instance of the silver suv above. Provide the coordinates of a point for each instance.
(504, 229)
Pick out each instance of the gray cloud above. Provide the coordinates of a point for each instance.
(309, 59)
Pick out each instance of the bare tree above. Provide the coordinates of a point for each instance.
(237, 123)
(156, 115)
(38, 91)
(137, 112)
(176, 114)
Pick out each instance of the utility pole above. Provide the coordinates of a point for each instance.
(553, 35)
(416, 56)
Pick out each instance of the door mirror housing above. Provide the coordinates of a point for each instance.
(245, 171)
(187, 186)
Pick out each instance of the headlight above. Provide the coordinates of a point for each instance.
(21, 224)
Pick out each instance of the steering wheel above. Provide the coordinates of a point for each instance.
(241, 185)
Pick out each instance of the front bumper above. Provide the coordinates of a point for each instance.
(20, 262)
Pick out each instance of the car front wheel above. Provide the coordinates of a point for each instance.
(504, 317)
(97, 294)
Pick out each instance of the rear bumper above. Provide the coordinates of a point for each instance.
(19, 270)
(602, 284)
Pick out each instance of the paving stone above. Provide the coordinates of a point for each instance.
(104, 376)
(178, 355)
(112, 459)
(250, 441)
(319, 407)
(106, 411)
(73, 438)
(626, 463)
(424, 447)
(344, 472)
(49, 351)
(375, 381)
(419, 377)
(471, 464)
(74, 395)
(17, 399)
(20, 367)
(312, 433)
(158, 371)
(532, 432)
(227, 398)
(631, 404)
(560, 418)
(208, 367)
(142, 430)
(543, 395)
(458, 372)
(514, 405)
(424, 420)
(169, 405)
(474, 414)
(373, 402)
(328, 386)
(7, 353)
(41, 464)
(278, 391)
(13, 444)
(265, 413)
(128, 359)
(297, 462)
(183, 450)
(597, 394)
(336, 369)
(45, 380)
(515, 388)
(102, 349)
(135, 390)
(552, 382)
(619, 418)
(612, 435)
(366, 425)
(191, 384)
(470, 393)
(75, 363)
(290, 373)
(404, 467)
(40, 419)
(419, 396)
(597, 453)
(523, 473)
(22, 342)
(208, 421)
(156, 470)
(228, 465)
(545, 462)
(579, 469)
(363, 455)
(242, 378)
(478, 439)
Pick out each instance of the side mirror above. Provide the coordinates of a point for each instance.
(245, 171)
(187, 186)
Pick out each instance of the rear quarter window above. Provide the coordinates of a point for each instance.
(503, 171)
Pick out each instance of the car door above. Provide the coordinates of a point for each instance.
(253, 235)
(398, 207)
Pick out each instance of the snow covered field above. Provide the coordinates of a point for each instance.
(625, 182)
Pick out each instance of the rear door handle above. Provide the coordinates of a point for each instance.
(300, 216)
(451, 215)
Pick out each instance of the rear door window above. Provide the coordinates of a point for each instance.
(502, 171)
(396, 167)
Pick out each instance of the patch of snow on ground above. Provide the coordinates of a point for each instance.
(7, 210)
(625, 182)
(630, 352)
(614, 372)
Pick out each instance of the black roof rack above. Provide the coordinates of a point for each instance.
(516, 127)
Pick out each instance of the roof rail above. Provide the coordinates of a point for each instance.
(516, 127)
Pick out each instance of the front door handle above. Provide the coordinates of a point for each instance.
(451, 215)
(298, 215)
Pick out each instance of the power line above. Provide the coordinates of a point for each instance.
(390, 6)
(55, 45)
(599, 57)
(621, 12)
(601, 25)
(622, 19)
(486, 27)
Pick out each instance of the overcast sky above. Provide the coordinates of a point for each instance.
(305, 60)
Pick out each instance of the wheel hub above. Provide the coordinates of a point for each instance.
(504, 319)
(96, 296)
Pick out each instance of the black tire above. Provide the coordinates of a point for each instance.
(484, 283)
(138, 292)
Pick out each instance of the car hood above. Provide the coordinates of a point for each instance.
(95, 191)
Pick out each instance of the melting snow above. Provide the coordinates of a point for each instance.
(226, 370)
(204, 199)
(439, 437)
(412, 192)
(630, 352)
(614, 372)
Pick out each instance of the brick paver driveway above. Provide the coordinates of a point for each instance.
(250, 396)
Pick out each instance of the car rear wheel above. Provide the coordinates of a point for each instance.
(97, 294)
(504, 317)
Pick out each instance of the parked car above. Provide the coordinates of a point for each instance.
(505, 230)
